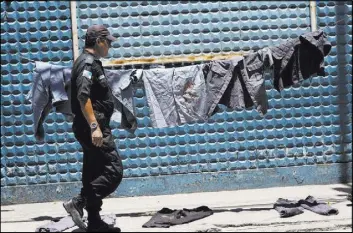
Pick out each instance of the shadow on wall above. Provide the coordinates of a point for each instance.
(341, 32)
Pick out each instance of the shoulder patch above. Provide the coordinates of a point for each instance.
(87, 74)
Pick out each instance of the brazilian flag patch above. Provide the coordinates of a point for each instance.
(87, 74)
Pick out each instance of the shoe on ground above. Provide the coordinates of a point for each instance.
(73, 208)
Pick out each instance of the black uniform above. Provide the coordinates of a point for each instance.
(102, 166)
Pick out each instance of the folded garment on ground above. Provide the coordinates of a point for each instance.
(167, 217)
(66, 223)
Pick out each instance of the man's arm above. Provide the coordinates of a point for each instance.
(87, 110)
(84, 84)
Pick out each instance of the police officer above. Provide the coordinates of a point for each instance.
(92, 104)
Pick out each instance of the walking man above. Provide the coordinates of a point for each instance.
(92, 104)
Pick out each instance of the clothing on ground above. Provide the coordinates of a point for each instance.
(66, 223)
(167, 217)
(319, 207)
(287, 208)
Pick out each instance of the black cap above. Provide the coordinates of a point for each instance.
(98, 31)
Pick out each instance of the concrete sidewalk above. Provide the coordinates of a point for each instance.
(244, 210)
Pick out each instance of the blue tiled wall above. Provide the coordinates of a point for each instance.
(306, 125)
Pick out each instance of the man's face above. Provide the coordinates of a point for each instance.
(103, 46)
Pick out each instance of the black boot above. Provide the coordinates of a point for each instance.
(74, 207)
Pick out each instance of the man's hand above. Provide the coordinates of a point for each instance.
(97, 137)
(87, 110)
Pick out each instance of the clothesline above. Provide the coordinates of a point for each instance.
(176, 59)
(237, 83)
(172, 59)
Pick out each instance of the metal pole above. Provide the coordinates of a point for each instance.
(313, 16)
